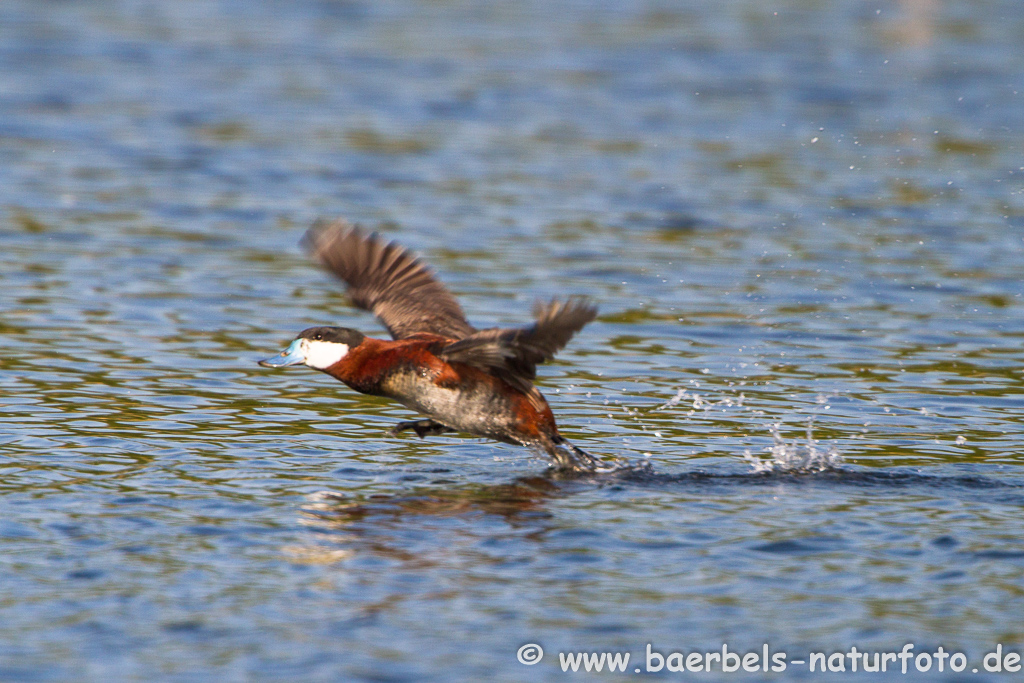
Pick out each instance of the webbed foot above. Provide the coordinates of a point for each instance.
(422, 428)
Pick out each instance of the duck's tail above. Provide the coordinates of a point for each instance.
(568, 458)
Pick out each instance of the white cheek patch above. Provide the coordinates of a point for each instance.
(321, 354)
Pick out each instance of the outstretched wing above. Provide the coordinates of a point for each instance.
(513, 354)
(388, 281)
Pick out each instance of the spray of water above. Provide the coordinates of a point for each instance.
(794, 456)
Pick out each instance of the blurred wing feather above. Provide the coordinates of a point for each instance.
(385, 279)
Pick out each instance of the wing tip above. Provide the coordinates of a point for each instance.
(326, 236)
(580, 307)
(326, 232)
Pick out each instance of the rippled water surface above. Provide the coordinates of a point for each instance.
(803, 223)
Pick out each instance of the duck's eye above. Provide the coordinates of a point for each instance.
(318, 337)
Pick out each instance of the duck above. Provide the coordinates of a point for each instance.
(457, 377)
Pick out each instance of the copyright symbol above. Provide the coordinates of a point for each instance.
(530, 654)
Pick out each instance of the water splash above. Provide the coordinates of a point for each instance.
(699, 402)
(674, 401)
(795, 457)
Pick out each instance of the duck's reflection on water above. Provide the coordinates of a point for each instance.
(523, 497)
(519, 500)
(378, 524)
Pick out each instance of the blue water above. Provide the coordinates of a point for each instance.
(803, 225)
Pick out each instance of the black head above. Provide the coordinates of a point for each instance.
(337, 335)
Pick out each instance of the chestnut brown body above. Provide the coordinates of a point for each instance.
(459, 396)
